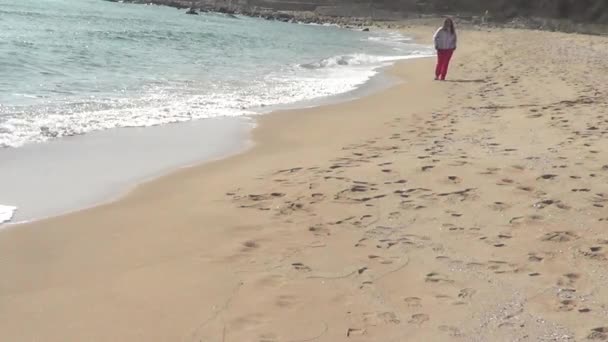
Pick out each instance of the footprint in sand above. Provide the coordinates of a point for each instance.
(452, 331)
(504, 236)
(250, 245)
(380, 318)
(466, 293)
(519, 167)
(593, 253)
(301, 267)
(317, 197)
(534, 257)
(566, 305)
(394, 215)
(505, 181)
(413, 302)
(286, 301)
(544, 203)
(452, 227)
(454, 179)
(435, 277)
(419, 318)
(559, 236)
(355, 332)
(500, 206)
(319, 229)
(568, 279)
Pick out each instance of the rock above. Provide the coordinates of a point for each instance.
(226, 10)
(192, 11)
(365, 29)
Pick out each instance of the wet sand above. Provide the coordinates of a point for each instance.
(72, 173)
(468, 210)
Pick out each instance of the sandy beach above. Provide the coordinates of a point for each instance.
(469, 210)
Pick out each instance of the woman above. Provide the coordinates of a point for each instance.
(445, 44)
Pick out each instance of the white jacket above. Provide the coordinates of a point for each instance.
(444, 40)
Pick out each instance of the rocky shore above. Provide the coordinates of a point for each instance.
(363, 16)
(302, 17)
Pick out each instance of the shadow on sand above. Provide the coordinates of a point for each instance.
(467, 81)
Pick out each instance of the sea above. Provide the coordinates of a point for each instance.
(82, 79)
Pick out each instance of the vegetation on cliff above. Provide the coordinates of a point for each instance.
(550, 14)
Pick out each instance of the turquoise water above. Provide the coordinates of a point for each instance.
(75, 66)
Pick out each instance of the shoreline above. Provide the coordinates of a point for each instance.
(471, 210)
(131, 156)
(238, 141)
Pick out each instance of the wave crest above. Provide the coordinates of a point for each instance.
(6, 213)
(351, 60)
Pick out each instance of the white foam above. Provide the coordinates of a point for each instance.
(359, 59)
(390, 38)
(6, 213)
(180, 101)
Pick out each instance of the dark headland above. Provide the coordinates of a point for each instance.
(587, 16)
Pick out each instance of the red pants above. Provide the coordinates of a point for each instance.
(443, 61)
